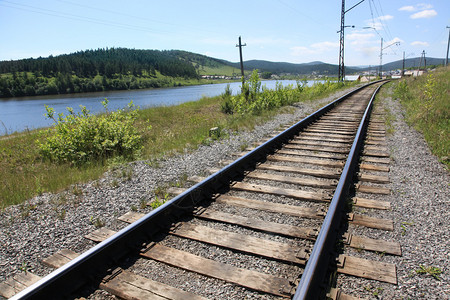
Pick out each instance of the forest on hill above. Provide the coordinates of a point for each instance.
(93, 70)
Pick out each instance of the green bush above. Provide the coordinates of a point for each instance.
(255, 99)
(80, 138)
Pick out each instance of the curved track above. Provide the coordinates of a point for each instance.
(258, 224)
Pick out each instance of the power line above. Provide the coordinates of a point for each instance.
(58, 14)
(133, 16)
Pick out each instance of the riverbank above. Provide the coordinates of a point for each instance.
(24, 174)
(27, 113)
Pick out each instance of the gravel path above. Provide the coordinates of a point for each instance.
(420, 200)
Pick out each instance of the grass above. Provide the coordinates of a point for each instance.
(426, 100)
(24, 174)
(432, 271)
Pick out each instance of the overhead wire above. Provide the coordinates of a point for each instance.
(135, 17)
(64, 15)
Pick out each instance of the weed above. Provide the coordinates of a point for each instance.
(377, 292)
(97, 222)
(403, 226)
(143, 203)
(160, 191)
(77, 191)
(25, 209)
(96, 184)
(127, 174)
(39, 189)
(381, 254)
(374, 290)
(433, 271)
(61, 214)
(133, 208)
(157, 202)
(24, 267)
(114, 183)
(244, 146)
(154, 163)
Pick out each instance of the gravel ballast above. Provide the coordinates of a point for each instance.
(420, 199)
(50, 222)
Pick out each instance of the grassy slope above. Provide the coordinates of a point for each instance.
(426, 100)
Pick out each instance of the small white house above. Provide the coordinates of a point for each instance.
(352, 77)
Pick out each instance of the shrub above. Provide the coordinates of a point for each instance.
(82, 137)
(255, 99)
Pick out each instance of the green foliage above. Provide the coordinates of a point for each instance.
(92, 70)
(158, 202)
(78, 138)
(97, 222)
(433, 271)
(427, 106)
(255, 99)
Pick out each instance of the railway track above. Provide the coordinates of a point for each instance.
(267, 225)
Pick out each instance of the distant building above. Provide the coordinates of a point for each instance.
(414, 73)
(367, 78)
(352, 77)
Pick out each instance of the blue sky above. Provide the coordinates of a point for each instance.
(277, 30)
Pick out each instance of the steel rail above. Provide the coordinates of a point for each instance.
(318, 262)
(99, 258)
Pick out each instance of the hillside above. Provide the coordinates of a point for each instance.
(318, 68)
(412, 63)
(94, 70)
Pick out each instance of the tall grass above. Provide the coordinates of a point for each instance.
(426, 100)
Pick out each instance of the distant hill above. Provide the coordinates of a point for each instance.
(318, 68)
(104, 62)
(412, 63)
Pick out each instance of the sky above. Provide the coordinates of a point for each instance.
(292, 31)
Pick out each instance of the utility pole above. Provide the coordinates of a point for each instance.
(381, 54)
(403, 66)
(424, 60)
(341, 72)
(448, 43)
(240, 54)
(381, 58)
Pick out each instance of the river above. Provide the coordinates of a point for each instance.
(20, 114)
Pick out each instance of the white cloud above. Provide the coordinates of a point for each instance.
(424, 14)
(360, 38)
(315, 48)
(394, 40)
(374, 24)
(407, 8)
(324, 46)
(419, 43)
(420, 6)
(386, 18)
